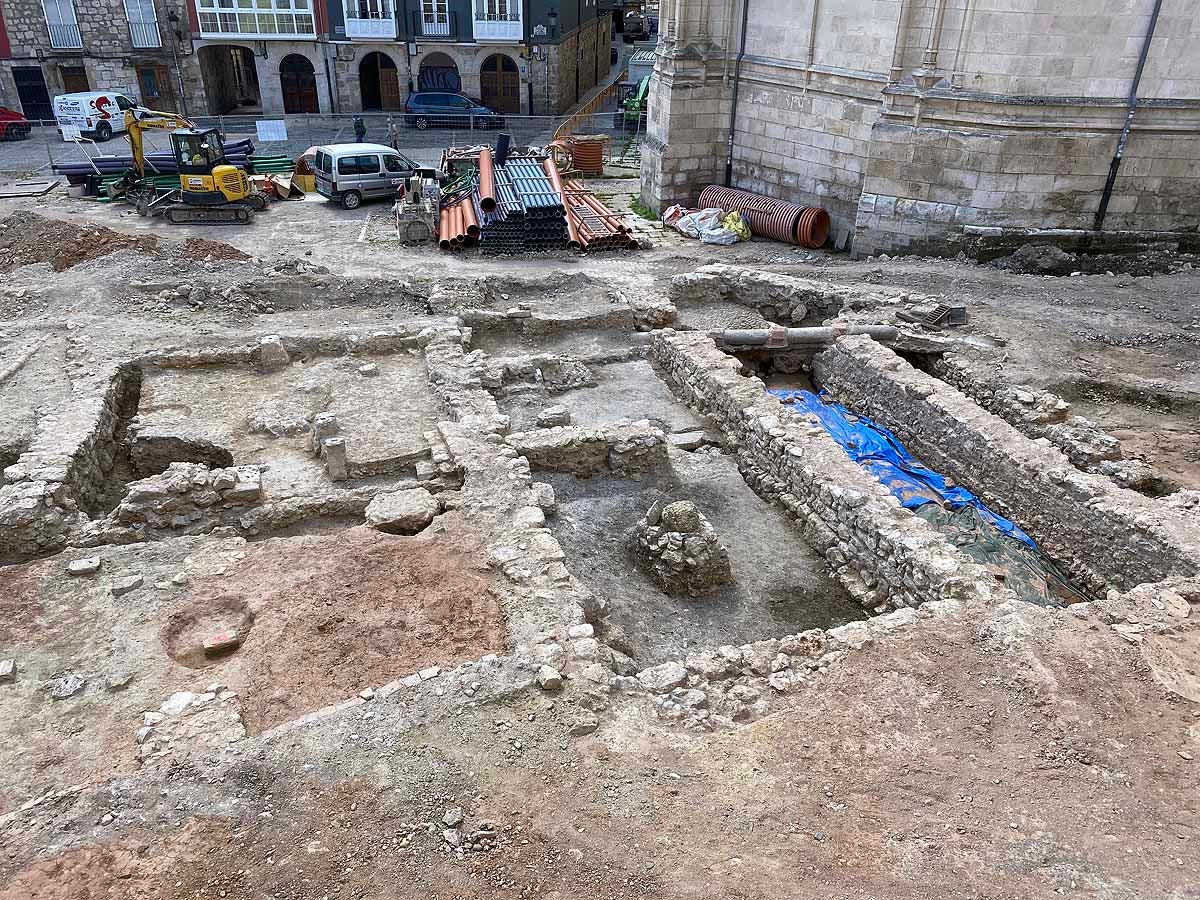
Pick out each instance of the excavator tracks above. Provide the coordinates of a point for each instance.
(185, 214)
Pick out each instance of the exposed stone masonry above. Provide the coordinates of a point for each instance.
(679, 547)
(885, 556)
(784, 299)
(623, 449)
(1107, 537)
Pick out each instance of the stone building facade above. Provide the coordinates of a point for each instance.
(128, 47)
(916, 122)
(267, 57)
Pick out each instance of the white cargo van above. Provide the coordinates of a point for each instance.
(351, 173)
(98, 114)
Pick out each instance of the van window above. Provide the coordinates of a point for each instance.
(324, 162)
(397, 164)
(124, 103)
(436, 100)
(458, 102)
(358, 165)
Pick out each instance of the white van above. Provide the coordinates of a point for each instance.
(351, 173)
(98, 114)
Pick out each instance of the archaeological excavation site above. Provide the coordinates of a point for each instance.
(332, 572)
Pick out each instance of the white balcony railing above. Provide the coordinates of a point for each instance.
(65, 36)
(145, 34)
(498, 27)
(435, 26)
(370, 20)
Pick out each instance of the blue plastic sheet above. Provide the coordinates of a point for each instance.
(879, 452)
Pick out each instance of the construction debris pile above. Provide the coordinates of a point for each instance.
(520, 204)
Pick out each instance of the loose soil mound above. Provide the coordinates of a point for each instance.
(27, 238)
(374, 608)
(199, 248)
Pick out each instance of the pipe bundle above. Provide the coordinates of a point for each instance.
(767, 217)
(591, 226)
(160, 162)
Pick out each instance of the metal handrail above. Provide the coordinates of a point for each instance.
(567, 128)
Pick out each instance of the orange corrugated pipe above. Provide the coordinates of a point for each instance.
(444, 229)
(487, 181)
(614, 221)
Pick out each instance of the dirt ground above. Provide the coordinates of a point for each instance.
(1000, 754)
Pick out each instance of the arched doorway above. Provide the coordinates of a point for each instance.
(299, 83)
(500, 84)
(230, 79)
(438, 73)
(379, 82)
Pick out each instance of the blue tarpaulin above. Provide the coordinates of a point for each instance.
(879, 452)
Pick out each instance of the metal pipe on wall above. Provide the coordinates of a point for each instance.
(812, 44)
(737, 80)
(1119, 153)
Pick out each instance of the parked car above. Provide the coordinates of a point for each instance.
(352, 173)
(13, 125)
(443, 109)
(98, 114)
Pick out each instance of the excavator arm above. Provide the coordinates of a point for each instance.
(137, 121)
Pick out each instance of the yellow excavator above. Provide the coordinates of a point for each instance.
(210, 192)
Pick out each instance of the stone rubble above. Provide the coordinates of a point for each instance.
(678, 547)
(402, 512)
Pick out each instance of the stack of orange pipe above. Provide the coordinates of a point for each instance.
(458, 226)
(602, 229)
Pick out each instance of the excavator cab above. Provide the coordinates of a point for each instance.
(205, 176)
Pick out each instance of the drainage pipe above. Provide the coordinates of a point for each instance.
(1102, 211)
(737, 80)
(792, 337)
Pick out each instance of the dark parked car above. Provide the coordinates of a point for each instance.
(444, 109)
(13, 125)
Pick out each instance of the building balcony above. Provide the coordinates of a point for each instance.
(505, 28)
(65, 36)
(442, 26)
(370, 29)
(293, 25)
(144, 35)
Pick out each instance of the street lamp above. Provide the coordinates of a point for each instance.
(176, 40)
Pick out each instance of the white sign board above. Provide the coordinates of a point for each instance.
(271, 130)
(70, 132)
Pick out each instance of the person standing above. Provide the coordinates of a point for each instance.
(360, 129)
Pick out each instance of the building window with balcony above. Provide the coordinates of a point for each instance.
(143, 23)
(435, 17)
(62, 24)
(497, 11)
(370, 19)
(498, 20)
(264, 18)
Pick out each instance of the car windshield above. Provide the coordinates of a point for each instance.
(475, 100)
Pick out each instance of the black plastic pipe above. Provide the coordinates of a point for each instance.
(1115, 165)
(737, 78)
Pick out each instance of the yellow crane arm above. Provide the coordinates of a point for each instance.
(138, 120)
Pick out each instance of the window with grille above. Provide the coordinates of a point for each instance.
(62, 24)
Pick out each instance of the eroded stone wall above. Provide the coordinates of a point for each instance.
(1107, 537)
(885, 556)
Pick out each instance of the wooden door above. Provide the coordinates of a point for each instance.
(500, 84)
(298, 82)
(389, 88)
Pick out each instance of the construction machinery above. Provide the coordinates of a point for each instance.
(632, 113)
(210, 192)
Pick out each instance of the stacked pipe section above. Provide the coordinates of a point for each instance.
(591, 226)
(767, 217)
(160, 162)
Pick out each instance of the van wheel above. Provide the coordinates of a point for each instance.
(103, 132)
(351, 200)
(422, 123)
